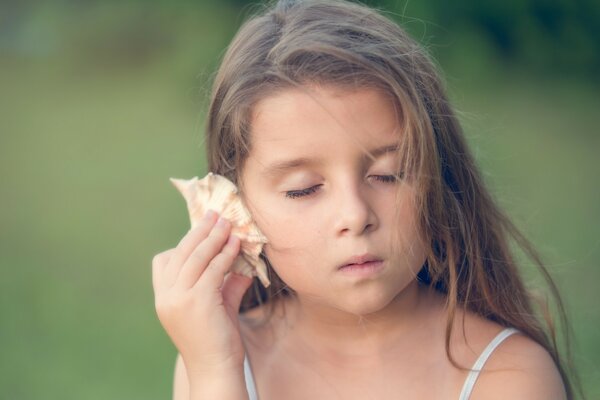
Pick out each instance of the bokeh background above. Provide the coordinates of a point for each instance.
(102, 101)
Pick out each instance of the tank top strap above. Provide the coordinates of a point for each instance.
(250, 386)
(478, 366)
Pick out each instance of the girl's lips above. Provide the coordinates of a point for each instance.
(362, 270)
(360, 259)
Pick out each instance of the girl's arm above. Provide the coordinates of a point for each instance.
(181, 387)
(224, 387)
(197, 303)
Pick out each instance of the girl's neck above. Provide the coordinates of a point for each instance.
(313, 328)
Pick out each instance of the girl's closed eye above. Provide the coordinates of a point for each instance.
(308, 191)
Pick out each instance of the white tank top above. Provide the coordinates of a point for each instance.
(466, 389)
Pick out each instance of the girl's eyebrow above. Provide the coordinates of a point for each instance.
(280, 167)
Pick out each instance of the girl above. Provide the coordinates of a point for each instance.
(390, 264)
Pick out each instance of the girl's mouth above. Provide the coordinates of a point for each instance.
(362, 270)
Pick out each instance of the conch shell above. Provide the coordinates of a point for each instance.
(220, 194)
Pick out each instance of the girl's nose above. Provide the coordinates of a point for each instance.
(354, 211)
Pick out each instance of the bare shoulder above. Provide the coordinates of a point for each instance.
(180, 381)
(519, 368)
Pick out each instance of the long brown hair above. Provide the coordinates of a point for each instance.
(296, 44)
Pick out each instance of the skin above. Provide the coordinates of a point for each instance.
(351, 213)
(377, 337)
(340, 327)
(192, 290)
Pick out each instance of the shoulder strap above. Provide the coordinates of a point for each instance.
(478, 366)
(250, 386)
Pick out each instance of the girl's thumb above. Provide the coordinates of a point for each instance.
(233, 289)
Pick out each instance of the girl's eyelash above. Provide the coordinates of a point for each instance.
(293, 194)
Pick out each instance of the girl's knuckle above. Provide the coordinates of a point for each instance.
(229, 252)
(219, 233)
(214, 264)
(161, 258)
(206, 248)
(198, 256)
(156, 260)
(210, 267)
(219, 262)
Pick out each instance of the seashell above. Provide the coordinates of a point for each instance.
(220, 194)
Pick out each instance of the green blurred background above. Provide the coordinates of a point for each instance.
(102, 101)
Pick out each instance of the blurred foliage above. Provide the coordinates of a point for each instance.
(556, 36)
(102, 101)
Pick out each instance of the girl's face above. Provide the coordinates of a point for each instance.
(320, 199)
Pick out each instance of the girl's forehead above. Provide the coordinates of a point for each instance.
(306, 119)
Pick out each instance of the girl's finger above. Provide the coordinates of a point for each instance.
(214, 274)
(202, 255)
(187, 245)
(233, 290)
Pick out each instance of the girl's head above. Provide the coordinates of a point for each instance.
(333, 81)
(321, 200)
(328, 54)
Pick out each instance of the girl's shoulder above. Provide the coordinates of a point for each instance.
(528, 367)
(518, 359)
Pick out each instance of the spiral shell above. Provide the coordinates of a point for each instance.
(221, 195)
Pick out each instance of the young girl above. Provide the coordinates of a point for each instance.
(392, 276)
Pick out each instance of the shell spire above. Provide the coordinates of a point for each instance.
(218, 193)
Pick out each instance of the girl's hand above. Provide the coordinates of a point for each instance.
(197, 301)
